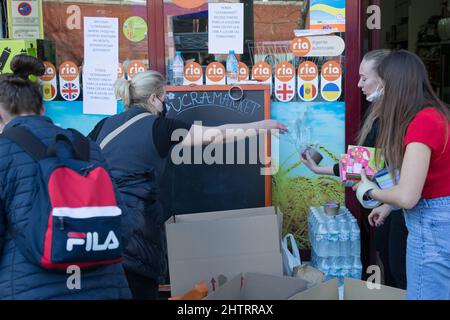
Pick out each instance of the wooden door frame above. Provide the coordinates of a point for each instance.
(156, 43)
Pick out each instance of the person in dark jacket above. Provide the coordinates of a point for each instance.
(21, 106)
(390, 238)
(137, 158)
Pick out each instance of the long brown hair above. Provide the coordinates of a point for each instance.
(375, 58)
(407, 91)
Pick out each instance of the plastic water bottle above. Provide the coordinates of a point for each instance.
(355, 239)
(333, 237)
(178, 69)
(232, 68)
(344, 236)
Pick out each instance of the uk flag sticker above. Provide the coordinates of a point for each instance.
(70, 91)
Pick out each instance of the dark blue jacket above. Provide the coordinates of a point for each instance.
(136, 167)
(20, 279)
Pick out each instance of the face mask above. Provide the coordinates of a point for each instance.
(376, 95)
(164, 108)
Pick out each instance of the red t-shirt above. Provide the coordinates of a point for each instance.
(429, 127)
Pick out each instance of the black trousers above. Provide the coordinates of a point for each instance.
(390, 242)
(142, 288)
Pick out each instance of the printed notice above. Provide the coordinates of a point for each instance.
(101, 57)
(226, 28)
(25, 19)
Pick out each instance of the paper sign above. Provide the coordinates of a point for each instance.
(331, 81)
(308, 81)
(48, 82)
(101, 57)
(285, 82)
(225, 28)
(193, 73)
(318, 46)
(244, 73)
(69, 81)
(25, 19)
(215, 73)
(327, 14)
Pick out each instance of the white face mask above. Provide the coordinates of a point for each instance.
(376, 95)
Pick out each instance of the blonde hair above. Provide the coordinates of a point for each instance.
(136, 91)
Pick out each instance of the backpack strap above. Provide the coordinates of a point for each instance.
(36, 149)
(120, 129)
(79, 145)
(32, 145)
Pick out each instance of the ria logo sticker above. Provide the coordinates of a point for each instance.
(308, 81)
(91, 242)
(285, 82)
(331, 81)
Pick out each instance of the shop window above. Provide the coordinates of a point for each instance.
(63, 23)
(268, 30)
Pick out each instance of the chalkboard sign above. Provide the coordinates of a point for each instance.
(192, 188)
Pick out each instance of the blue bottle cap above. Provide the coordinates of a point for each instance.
(231, 51)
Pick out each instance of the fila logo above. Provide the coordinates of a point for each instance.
(90, 240)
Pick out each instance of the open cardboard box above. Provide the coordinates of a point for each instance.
(254, 286)
(353, 290)
(204, 246)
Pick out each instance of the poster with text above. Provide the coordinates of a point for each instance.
(101, 57)
(225, 28)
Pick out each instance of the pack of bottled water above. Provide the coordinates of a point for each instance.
(335, 243)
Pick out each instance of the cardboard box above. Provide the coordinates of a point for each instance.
(205, 246)
(44, 50)
(254, 286)
(353, 290)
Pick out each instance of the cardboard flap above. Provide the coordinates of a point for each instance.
(358, 290)
(184, 274)
(231, 233)
(326, 291)
(257, 286)
(220, 215)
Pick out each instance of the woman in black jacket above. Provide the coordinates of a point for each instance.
(137, 158)
(390, 238)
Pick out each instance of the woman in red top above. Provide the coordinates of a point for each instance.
(414, 137)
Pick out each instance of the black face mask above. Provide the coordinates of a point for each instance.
(164, 108)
